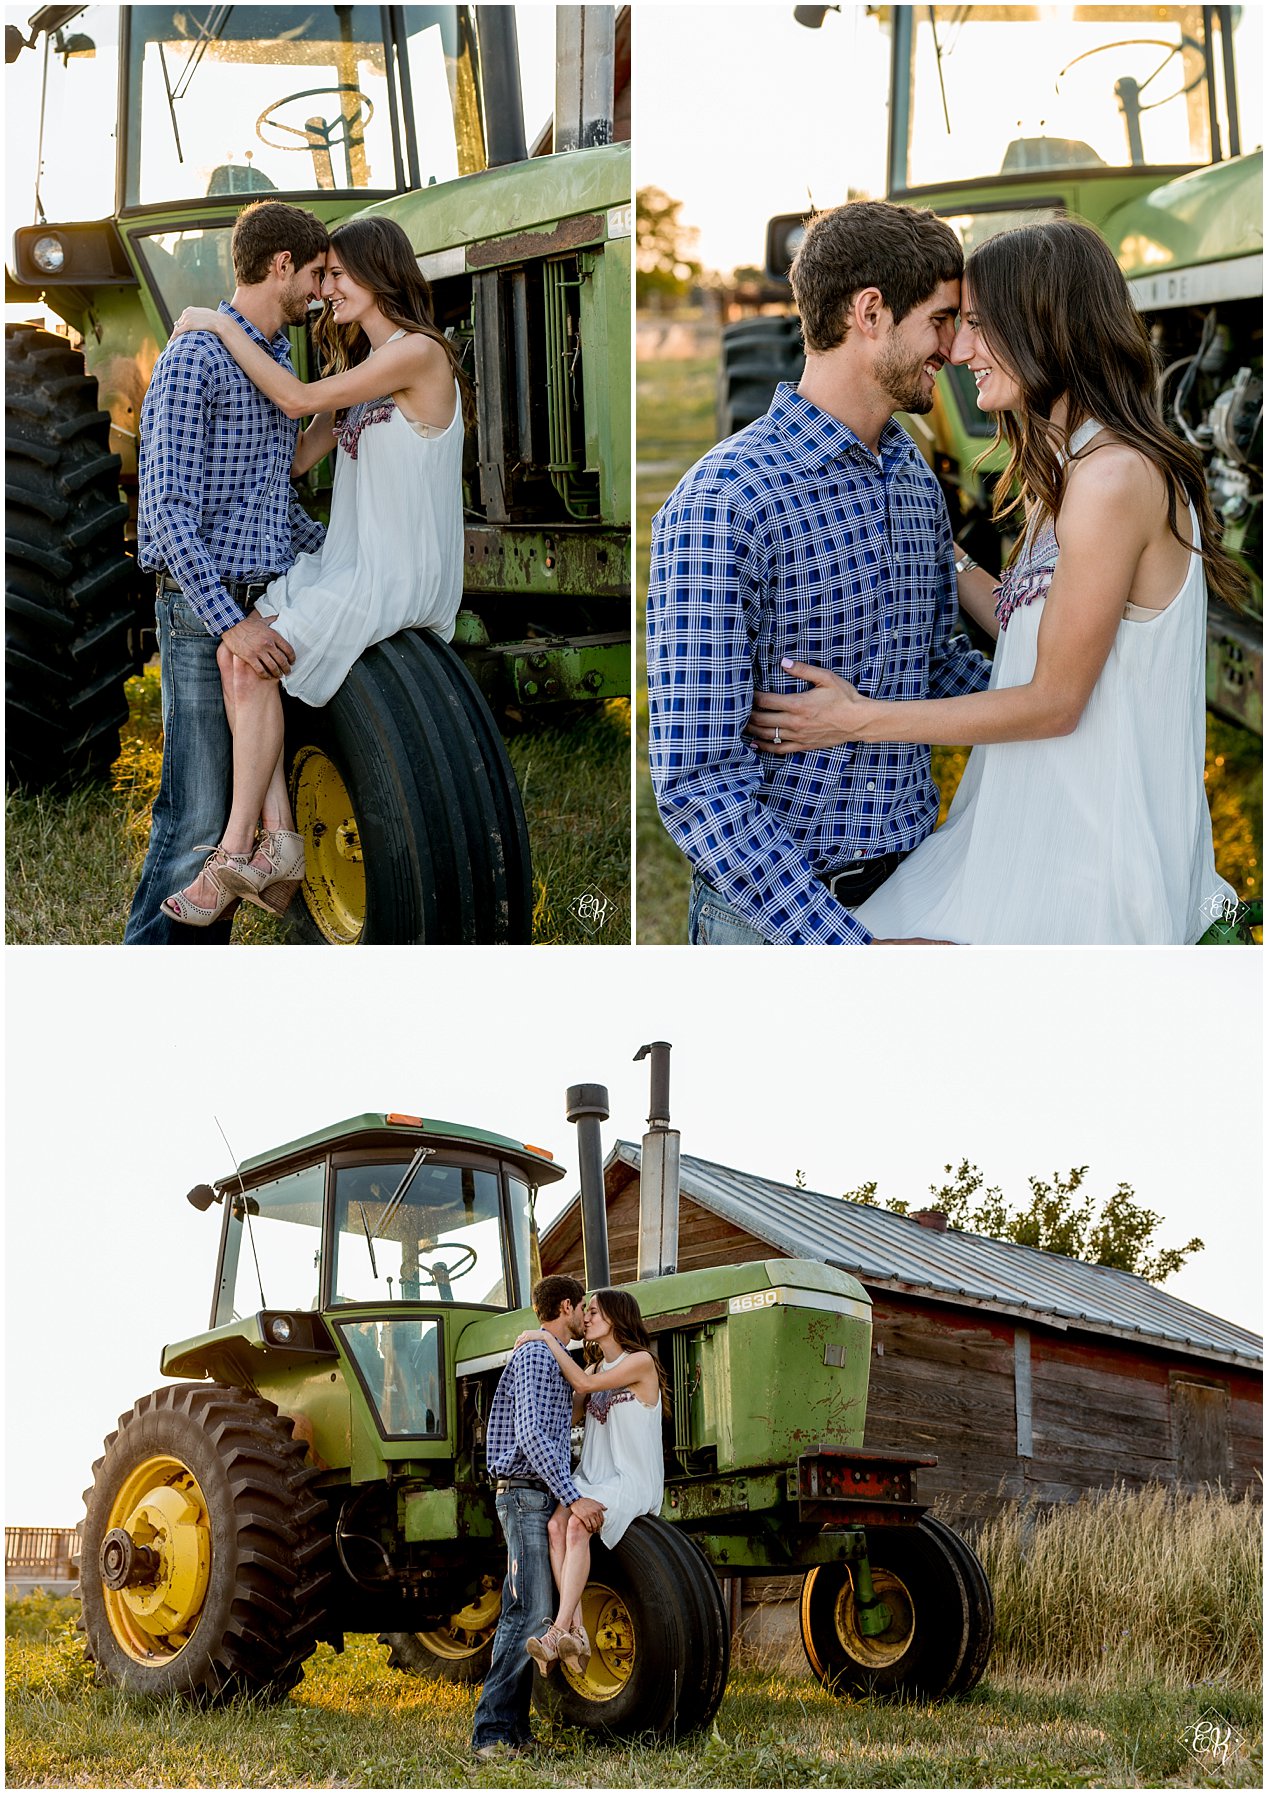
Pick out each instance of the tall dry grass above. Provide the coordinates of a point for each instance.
(1128, 1583)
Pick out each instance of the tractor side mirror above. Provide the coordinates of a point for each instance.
(201, 1197)
(14, 43)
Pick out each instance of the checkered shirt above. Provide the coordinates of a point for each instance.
(216, 501)
(530, 1422)
(792, 539)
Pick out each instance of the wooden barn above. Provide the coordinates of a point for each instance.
(1028, 1374)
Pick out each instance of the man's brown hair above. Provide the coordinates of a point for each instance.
(268, 227)
(551, 1293)
(903, 251)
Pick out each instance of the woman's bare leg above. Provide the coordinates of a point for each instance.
(576, 1573)
(256, 708)
(557, 1541)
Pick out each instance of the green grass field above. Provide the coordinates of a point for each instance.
(675, 427)
(1122, 1624)
(72, 861)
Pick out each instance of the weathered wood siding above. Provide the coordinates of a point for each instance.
(1009, 1407)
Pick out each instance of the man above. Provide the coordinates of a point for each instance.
(817, 534)
(217, 519)
(530, 1429)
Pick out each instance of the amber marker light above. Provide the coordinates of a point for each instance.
(541, 1151)
(405, 1120)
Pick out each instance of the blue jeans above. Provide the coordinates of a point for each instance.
(192, 805)
(528, 1606)
(711, 921)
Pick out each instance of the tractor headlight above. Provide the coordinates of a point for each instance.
(281, 1331)
(49, 254)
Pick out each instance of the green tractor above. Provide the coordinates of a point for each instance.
(319, 1467)
(401, 785)
(1125, 116)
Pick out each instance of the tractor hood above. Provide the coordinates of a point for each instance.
(1212, 215)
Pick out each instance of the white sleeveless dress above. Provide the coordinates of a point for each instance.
(393, 553)
(622, 1460)
(1102, 836)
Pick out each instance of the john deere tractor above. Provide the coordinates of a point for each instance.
(318, 1465)
(402, 787)
(1126, 116)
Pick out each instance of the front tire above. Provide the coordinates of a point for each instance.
(413, 826)
(941, 1622)
(202, 1572)
(70, 621)
(654, 1668)
(460, 1650)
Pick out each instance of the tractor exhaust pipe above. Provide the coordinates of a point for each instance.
(500, 84)
(585, 39)
(588, 1107)
(658, 1180)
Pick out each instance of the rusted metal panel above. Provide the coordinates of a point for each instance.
(528, 245)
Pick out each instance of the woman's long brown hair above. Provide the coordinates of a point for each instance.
(630, 1331)
(379, 256)
(1053, 305)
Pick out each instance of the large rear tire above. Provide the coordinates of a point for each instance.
(941, 1621)
(654, 1668)
(202, 1571)
(70, 620)
(756, 354)
(413, 825)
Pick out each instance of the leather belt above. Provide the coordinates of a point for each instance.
(852, 883)
(243, 591)
(520, 1482)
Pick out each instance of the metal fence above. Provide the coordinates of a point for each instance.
(40, 1556)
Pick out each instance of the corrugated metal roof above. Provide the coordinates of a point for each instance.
(894, 1252)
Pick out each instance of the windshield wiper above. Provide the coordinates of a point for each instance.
(209, 33)
(365, 1225)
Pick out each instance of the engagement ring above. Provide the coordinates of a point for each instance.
(776, 734)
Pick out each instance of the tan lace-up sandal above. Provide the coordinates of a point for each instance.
(218, 866)
(273, 884)
(545, 1650)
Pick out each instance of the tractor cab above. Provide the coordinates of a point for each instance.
(210, 108)
(353, 1242)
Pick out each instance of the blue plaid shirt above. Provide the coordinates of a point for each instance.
(216, 501)
(793, 539)
(530, 1422)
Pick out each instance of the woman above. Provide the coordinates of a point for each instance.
(1082, 816)
(622, 1461)
(393, 400)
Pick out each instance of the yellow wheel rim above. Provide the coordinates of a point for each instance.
(164, 1513)
(895, 1640)
(470, 1629)
(613, 1646)
(334, 878)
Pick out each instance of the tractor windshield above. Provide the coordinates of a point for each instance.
(442, 1240)
(982, 91)
(226, 100)
(458, 1232)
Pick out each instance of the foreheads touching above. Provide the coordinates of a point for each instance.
(871, 254)
(274, 240)
(551, 1295)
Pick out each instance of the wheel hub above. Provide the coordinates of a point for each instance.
(470, 1628)
(155, 1559)
(883, 1648)
(124, 1563)
(613, 1645)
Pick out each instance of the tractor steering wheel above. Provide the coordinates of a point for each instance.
(465, 1258)
(1157, 43)
(356, 122)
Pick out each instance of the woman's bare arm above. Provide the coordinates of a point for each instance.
(1105, 524)
(315, 443)
(630, 1370)
(414, 364)
(975, 589)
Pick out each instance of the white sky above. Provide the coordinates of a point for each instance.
(1144, 1065)
(742, 114)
